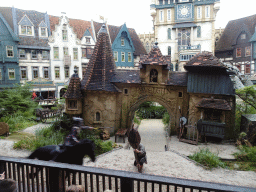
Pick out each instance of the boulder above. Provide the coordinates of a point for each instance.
(4, 128)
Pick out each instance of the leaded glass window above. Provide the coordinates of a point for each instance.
(169, 31)
(198, 31)
(56, 52)
(11, 73)
(75, 53)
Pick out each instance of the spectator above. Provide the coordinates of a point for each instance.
(75, 188)
(8, 185)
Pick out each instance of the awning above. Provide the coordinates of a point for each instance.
(184, 25)
(214, 104)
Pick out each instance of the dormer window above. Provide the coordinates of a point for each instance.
(153, 76)
(243, 36)
(88, 40)
(26, 30)
(43, 30)
(26, 27)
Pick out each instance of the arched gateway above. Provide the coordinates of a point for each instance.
(107, 97)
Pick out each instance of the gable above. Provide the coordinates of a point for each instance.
(25, 21)
(123, 34)
(42, 24)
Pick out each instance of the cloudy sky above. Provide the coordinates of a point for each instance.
(135, 13)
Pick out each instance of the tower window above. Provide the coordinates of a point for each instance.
(153, 75)
(97, 116)
(72, 104)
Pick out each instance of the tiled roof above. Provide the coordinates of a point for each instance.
(79, 26)
(233, 30)
(101, 67)
(74, 88)
(204, 60)
(155, 57)
(214, 104)
(178, 78)
(113, 32)
(127, 76)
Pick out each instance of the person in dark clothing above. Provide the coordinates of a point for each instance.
(71, 139)
(140, 157)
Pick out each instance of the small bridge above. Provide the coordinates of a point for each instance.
(55, 177)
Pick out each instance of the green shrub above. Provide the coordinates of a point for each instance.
(246, 154)
(166, 118)
(207, 158)
(19, 121)
(45, 136)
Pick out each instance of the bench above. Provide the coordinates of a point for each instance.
(121, 133)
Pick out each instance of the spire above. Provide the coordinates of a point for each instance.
(101, 67)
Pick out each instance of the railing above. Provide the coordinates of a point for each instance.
(55, 177)
(189, 47)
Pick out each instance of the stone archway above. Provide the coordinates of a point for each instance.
(170, 109)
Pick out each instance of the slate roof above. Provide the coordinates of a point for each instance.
(113, 32)
(36, 18)
(178, 78)
(127, 76)
(7, 14)
(155, 57)
(74, 88)
(233, 30)
(79, 26)
(101, 67)
(13, 16)
(214, 104)
(206, 61)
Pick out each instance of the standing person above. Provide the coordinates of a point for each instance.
(34, 95)
(140, 157)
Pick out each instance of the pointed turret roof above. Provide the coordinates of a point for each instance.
(74, 88)
(101, 67)
(155, 57)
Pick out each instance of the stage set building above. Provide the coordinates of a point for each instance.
(237, 45)
(109, 97)
(44, 49)
(184, 28)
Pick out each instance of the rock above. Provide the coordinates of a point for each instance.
(4, 128)
(236, 166)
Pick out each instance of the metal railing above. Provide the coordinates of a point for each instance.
(55, 177)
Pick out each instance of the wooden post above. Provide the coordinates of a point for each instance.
(127, 185)
(56, 181)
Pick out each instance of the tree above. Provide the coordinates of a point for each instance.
(16, 99)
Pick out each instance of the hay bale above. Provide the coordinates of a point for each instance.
(4, 128)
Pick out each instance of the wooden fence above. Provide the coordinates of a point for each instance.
(43, 176)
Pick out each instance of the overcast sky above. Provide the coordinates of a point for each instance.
(135, 13)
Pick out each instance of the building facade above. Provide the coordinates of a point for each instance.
(9, 63)
(184, 28)
(71, 44)
(148, 41)
(33, 29)
(237, 45)
(109, 97)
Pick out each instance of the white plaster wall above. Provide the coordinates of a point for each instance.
(34, 63)
(56, 41)
(206, 37)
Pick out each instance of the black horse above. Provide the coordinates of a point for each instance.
(70, 154)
